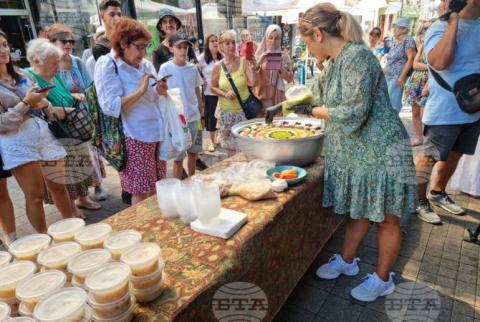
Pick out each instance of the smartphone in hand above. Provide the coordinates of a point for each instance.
(42, 90)
(274, 61)
(163, 79)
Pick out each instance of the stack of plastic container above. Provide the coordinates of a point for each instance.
(93, 236)
(65, 229)
(4, 311)
(28, 247)
(39, 286)
(81, 264)
(66, 305)
(117, 243)
(57, 257)
(109, 293)
(147, 270)
(12, 275)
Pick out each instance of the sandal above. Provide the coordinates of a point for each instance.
(211, 148)
(91, 205)
(416, 142)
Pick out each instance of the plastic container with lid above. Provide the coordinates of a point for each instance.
(147, 281)
(87, 261)
(67, 304)
(93, 236)
(125, 317)
(25, 309)
(65, 229)
(108, 283)
(13, 274)
(57, 256)
(4, 311)
(142, 258)
(14, 303)
(117, 243)
(5, 259)
(39, 286)
(149, 294)
(28, 247)
(21, 319)
(113, 309)
(78, 281)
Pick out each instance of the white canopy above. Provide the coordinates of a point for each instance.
(285, 8)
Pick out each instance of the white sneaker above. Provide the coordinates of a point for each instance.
(336, 266)
(372, 287)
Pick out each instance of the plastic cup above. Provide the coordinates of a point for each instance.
(112, 309)
(93, 236)
(117, 243)
(5, 259)
(208, 202)
(87, 261)
(166, 196)
(125, 317)
(147, 281)
(185, 201)
(149, 294)
(68, 304)
(4, 311)
(65, 229)
(28, 247)
(109, 283)
(142, 258)
(58, 255)
(12, 275)
(39, 286)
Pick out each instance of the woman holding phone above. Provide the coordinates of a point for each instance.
(275, 68)
(28, 149)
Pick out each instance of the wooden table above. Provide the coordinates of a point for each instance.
(273, 250)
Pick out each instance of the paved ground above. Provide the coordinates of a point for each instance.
(432, 255)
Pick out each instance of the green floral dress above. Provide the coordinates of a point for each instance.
(369, 169)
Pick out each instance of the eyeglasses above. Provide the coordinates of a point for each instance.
(67, 41)
(141, 46)
(374, 34)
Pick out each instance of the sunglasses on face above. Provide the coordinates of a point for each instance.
(141, 46)
(67, 41)
(374, 34)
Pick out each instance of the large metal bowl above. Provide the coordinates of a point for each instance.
(297, 152)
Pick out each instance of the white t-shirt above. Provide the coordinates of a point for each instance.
(186, 78)
(207, 70)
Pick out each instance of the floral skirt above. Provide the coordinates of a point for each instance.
(413, 88)
(226, 121)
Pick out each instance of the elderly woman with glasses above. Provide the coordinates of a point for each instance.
(125, 83)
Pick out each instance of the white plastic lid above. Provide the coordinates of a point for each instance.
(20, 319)
(108, 277)
(66, 227)
(84, 262)
(4, 311)
(93, 233)
(61, 306)
(121, 240)
(58, 254)
(40, 285)
(140, 254)
(16, 272)
(29, 244)
(5, 258)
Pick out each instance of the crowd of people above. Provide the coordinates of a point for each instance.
(359, 101)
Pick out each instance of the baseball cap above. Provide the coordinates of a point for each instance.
(403, 22)
(178, 39)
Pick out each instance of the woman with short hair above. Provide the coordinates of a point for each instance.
(27, 147)
(125, 80)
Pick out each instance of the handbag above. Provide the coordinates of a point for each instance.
(252, 105)
(77, 125)
(466, 91)
(108, 135)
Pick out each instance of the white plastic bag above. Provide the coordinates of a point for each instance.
(177, 136)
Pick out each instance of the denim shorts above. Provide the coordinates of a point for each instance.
(395, 92)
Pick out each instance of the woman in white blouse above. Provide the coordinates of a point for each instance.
(206, 62)
(125, 87)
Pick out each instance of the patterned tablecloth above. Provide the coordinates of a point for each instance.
(273, 250)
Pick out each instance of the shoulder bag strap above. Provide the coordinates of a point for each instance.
(229, 77)
(439, 79)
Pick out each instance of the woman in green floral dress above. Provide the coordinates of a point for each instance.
(369, 171)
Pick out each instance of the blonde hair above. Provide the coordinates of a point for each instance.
(227, 35)
(334, 22)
